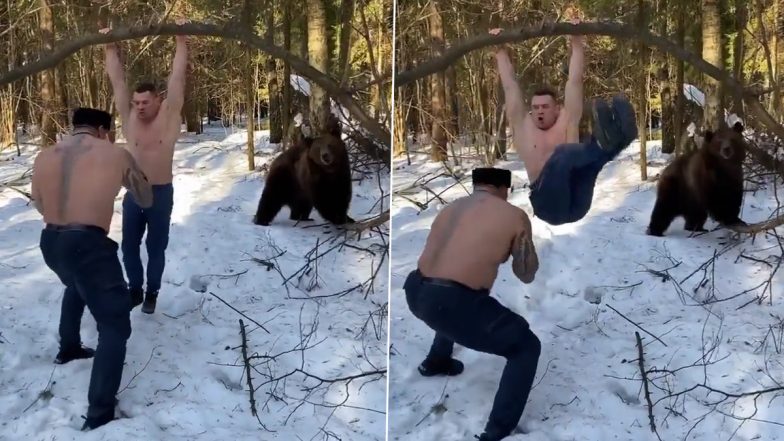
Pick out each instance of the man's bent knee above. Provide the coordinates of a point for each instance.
(527, 344)
(115, 328)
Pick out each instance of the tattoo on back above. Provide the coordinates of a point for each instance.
(70, 156)
(449, 228)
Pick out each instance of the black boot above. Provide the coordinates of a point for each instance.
(137, 297)
(149, 302)
(485, 437)
(91, 423)
(70, 354)
(449, 366)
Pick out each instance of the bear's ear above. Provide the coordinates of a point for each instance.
(708, 136)
(738, 127)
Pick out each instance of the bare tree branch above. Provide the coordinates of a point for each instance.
(230, 30)
(617, 30)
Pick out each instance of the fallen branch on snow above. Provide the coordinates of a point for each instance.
(645, 383)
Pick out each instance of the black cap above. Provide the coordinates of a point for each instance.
(85, 116)
(496, 177)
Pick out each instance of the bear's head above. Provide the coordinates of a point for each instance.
(328, 151)
(727, 143)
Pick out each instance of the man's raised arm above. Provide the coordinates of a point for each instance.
(114, 68)
(525, 262)
(35, 190)
(573, 95)
(175, 90)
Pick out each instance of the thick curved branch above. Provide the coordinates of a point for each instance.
(759, 226)
(230, 31)
(617, 30)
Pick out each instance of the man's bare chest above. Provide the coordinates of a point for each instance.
(151, 138)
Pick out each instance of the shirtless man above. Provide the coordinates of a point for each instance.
(151, 126)
(74, 186)
(450, 292)
(562, 171)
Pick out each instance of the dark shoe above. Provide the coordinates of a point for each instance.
(450, 367)
(627, 120)
(149, 302)
(605, 128)
(96, 422)
(137, 297)
(485, 437)
(614, 128)
(82, 352)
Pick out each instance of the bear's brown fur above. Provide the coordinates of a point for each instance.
(706, 181)
(315, 172)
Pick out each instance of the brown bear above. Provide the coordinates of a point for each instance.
(705, 181)
(315, 172)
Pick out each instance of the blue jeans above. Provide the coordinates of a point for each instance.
(459, 314)
(155, 220)
(564, 190)
(85, 260)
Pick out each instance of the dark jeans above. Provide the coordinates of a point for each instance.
(155, 220)
(86, 262)
(564, 190)
(471, 318)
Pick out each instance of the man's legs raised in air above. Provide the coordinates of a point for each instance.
(564, 191)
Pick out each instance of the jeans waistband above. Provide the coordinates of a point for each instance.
(76, 227)
(448, 283)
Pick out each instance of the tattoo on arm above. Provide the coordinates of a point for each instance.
(525, 262)
(136, 182)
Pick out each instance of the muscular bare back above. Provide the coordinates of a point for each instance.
(152, 144)
(76, 181)
(472, 236)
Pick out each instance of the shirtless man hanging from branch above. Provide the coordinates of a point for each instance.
(562, 171)
(151, 125)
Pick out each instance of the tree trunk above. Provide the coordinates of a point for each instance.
(250, 105)
(8, 98)
(273, 102)
(61, 96)
(642, 94)
(680, 39)
(500, 121)
(191, 107)
(711, 52)
(275, 120)
(318, 55)
(452, 104)
(250, 92)
(48, 98)
(400, 122)
(438, 135)
(774, 46)
(286, 108)
(346, 18)
(666, 84)
(738, 52)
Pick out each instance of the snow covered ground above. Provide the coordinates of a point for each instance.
(184, 376)
(588, 383)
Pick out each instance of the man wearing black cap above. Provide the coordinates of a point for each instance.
(74, 185)
(450, 292)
